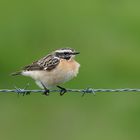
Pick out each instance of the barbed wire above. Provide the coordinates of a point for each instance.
(83, 91)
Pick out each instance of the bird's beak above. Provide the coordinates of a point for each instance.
(75, 53)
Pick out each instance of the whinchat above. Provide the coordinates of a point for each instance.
(52, 70)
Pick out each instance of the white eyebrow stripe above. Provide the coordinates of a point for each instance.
(62, 51)
(56, 57)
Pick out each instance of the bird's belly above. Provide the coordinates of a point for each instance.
(54, 78)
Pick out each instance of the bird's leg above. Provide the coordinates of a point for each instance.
(62, 90)
(47, 91)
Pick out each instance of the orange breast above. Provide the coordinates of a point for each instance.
(71, 65)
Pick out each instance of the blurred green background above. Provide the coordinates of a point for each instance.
(107, 33)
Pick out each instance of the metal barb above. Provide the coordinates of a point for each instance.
(22, 91)
(88, 90)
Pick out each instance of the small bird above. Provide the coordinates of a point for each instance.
(52, 70)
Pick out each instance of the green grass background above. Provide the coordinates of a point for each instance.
(107, 33)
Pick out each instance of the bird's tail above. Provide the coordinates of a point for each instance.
(16, 73)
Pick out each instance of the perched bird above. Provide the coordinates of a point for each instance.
(52, 70)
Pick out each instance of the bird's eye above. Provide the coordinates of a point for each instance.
(65, 53)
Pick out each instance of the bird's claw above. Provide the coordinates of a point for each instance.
(46, 92)
(62, 90)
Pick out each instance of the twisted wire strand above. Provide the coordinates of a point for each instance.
(83, 91)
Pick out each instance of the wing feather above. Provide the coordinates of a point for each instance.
(48, 62)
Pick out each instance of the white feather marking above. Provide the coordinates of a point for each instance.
(62, 51)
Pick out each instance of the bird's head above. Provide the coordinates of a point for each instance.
(65, 53)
